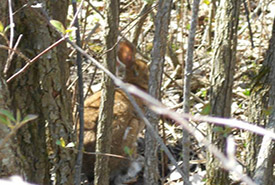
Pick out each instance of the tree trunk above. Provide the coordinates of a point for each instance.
(8, 159)
(223, 64)
(104, 128)
(41, 90)
(260, 160)
(162, 21)
(187, 89)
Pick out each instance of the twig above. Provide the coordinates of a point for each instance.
(99, 13)
(248, 22)
(145, 10)
(78, 165)
(187, 87)
(6, 68)
(20, 54)
(35, 59)
(11, 26)
(13, 132)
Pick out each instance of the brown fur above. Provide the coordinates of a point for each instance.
(125, 118)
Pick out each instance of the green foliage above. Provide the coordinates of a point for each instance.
(7, 118)
(1, 27)
(70, 30)
(203, 92)
(149, 1)
(267, 111)
(58, 25)
(206, 2)
(7, 28)
(128, 151)
(206, 109)
(247, 92)
(240, 105)
(61, 142)
(225, 131)
(188, 26)
(14, 123)
(217, 129)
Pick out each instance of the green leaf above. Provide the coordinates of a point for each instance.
(28, 118)
(70, 29)
(188, 26)
(227, 131)
(240, 105)
(3, 120)
(61, 142)
(18, 116)
(58, 142)
(128, 151)
(217, 129)
(203, 93)
(206, 2)
(206, 109)
(247, 92)
(7, 28)
(8, 114)
(1, 27)
(71, 38)
(58, 25)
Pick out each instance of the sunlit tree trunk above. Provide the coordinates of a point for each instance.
(260, 151)
(41, 90)
(162, 21)
(104, 128)
(223, 64)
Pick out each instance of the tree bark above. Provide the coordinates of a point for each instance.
(261, 159)
(187, 88)
(223, 64)
(41, 90)
(104, 128)
(151, 174)
(8, 159)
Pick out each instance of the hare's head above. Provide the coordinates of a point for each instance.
(136, 70)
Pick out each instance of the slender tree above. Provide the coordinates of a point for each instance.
(187, 87)
(260, 160)
(156, 70)
(104, 128)
(223, 66)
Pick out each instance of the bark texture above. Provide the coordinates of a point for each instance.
(8, 158)
(41, 90)
(104, 128)
(162, 21)
(223, 66)
(187, 89)
(260, 151)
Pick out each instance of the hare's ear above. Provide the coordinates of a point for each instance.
(126, 53)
